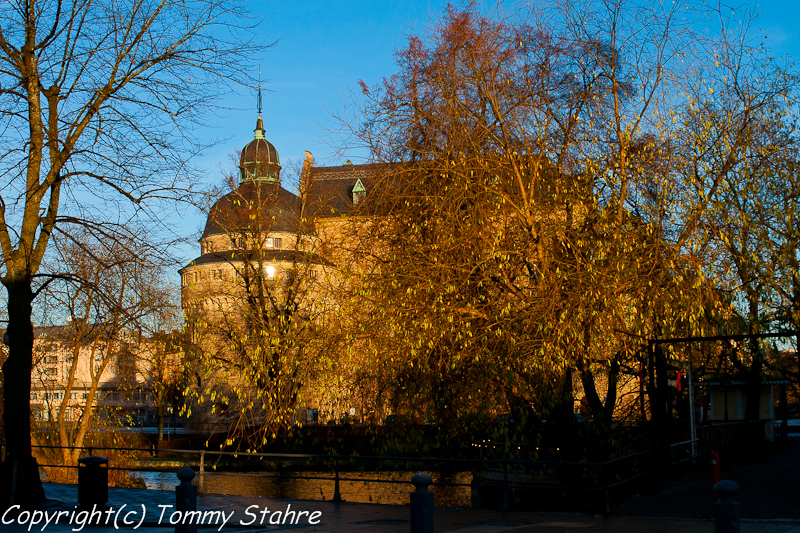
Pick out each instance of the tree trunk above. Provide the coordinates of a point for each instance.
(20, 473)
(160, 419)
(753, 385)
(659, 412)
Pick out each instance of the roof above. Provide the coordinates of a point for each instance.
(331, 188)
(268, 255)
(275, 210)
(259, 159)
(739, 383)
(67, 332)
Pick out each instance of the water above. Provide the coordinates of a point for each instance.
(266, 485)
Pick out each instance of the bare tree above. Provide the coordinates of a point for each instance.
(96, 103)
(111, 295)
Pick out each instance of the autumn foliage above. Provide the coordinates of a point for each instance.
(551, 199)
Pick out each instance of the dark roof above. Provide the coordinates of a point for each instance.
(66, 332)
(718, 384)
(276, 209)
(268, 255)
(258, 152)
(331, 188)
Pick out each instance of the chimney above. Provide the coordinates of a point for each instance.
(305, 176)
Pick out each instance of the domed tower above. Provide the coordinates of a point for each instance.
(254, 231)
(259, 161)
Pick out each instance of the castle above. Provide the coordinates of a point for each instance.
(256, 296)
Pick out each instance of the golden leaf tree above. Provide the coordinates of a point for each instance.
(538, 214)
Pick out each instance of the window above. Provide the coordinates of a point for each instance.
(269, 242)
(270, 272)
(216, 274)
(277, 242)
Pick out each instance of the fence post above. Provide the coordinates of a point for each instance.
(421, 504)
(337, 497)
(727, 511)
(200, 487)
(185, 499)
(504, 507)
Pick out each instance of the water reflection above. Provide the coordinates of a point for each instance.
(395, 490)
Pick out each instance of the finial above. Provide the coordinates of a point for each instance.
(259, 88)
(259, 123)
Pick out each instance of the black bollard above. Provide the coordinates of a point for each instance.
(185, 499)
(92, 482)
(727, 512)
(421, 504)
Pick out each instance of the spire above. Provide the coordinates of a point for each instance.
(259, 89)
(259, 123)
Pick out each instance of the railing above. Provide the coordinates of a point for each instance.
(495, 482)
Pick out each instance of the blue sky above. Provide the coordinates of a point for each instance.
(322, 49)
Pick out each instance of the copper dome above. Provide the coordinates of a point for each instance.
(259, 160)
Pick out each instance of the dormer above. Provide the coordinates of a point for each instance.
(359, 192)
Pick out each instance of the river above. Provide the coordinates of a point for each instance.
(394, 490)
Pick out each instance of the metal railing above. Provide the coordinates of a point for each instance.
(598, 481)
